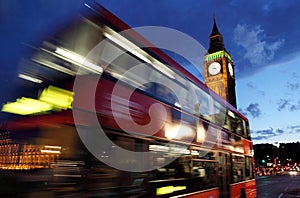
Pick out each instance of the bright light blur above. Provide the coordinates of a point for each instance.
(26, 106)
(57, 97)
(178, 131)
(169, 189)
(50, 151)
(132, 48)
(164, 69)
(171, 149)
(29, 78)
(81, 61)
(201, 133)
(293, 173)
(125, 43)
(51, 98)
(171, 130)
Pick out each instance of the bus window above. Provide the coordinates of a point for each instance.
(249, 168)
(169, 90)
(204, 165)
(160, 91)
(238, 167)
(130, 69)
(203, 104)
(219, 113)
(239, 126)
(193, 169)
(227, 123)
(245, 129)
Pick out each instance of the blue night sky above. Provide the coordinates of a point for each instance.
(261, 36)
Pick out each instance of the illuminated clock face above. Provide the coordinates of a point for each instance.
(214, 68)
(230, 69)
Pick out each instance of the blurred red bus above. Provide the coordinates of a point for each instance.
(206, 140)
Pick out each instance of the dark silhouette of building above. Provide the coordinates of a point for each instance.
(289, 152)
(285, 154)
(265, 155)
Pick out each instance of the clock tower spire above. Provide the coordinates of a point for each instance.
(218, 67)
(216, 39)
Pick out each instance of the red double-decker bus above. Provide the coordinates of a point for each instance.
(192, 142)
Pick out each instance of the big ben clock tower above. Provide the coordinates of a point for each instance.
(218, 68)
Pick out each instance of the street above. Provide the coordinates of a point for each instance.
(278, 186)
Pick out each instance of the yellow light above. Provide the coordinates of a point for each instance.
(52, 98)
(164, 190)
(169, 189)
(26, 106)
(59, 98)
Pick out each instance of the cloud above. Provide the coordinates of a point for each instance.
(294, 129)
(287, 104)
(254, 110)
(293, 86)
(260, 137)
(283, 103)
(279, 131)
(263, 134)
(295, 107)
(266, 133)
(258, 49)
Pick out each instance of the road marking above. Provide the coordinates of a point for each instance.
(279, 196)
